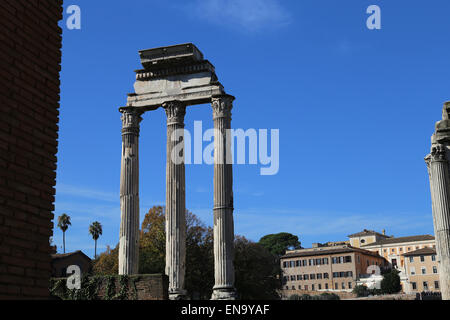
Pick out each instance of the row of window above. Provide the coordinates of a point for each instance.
(318, 276)
(409, 248)
(319, 286)
(316, 262)
(422, 258)
(425, 285)
(424, 270)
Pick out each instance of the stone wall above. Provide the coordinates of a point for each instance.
(134, 287)
(30, 57)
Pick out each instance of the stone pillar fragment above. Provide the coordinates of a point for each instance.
(223, 201)
(175, 200)
(129, 193)
(440, 184)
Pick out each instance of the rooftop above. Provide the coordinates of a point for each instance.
(421, 252)
(400, 240)
(366, 232)
(326, 251)
(65, 255)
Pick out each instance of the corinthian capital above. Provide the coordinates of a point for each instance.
(438, 153)
(222, 106)
(175, 111)
(131, 118)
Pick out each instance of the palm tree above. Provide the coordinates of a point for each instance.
(63, 224)
(95, 229)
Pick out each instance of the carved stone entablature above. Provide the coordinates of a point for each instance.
(438, 153)
(131, 118)
(222, 106)
(202, 66)
(175, 111)
(446, 111)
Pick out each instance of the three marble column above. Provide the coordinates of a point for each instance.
(176, 198)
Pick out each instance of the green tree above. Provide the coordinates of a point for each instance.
(95, 229)
(361, 291)
(63, 224)
(278, 243)
(391, 282)
(107, 263)
(256, 271)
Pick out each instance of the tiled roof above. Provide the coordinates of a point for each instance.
(366, 232)
(65, 255)
(327, 251)
(421, 252)
(400, 240)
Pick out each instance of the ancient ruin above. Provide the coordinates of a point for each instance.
(174, 78)
(438, 170)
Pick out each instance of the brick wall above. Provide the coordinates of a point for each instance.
(30, 55)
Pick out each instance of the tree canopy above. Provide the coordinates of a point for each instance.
(278, 243)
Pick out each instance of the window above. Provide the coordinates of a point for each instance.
(385, 250)
(319, 276)
(411, 259)
(436, 284)
(424, 270)
(312, 276)
(343, 285)
(342, 274)
(306, 287)
(358, 259)
(325, 276)
(347, 259)
(320, 286)
(414, 285)
(435, 269)
(422, 258)
(299, 277)
(326, 286)
(285, 279)
(433, 257)
(412, 270)
(336, 286)
(350, 274)
(312, 287)
(335, 274)
(318, 262)
(325, 260)
(293, 287)
(393, 250)
(394, 262)
(299, 287)
(363, 241)
(292, 278)
(287, 288)
(298, 263)
(311, 262)
(305, 277)
(304, 263)
(401, 249)
(285, 265)
(349, 285)
(425, 286)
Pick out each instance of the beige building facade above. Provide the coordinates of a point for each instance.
(422, 270)
(333, 268)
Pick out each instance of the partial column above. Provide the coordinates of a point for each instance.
(129, 193)
(223, 200)
(441, 213)
(175, 200)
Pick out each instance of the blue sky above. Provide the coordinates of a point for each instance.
(355, 109)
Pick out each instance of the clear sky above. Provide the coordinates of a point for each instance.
(355, 109)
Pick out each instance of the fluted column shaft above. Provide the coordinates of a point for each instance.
(441, 214)
(129, 193)
(223, 200)
(175, 200)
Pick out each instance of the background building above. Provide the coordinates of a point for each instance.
(422, 270)
(60, 263)
(334, 268)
